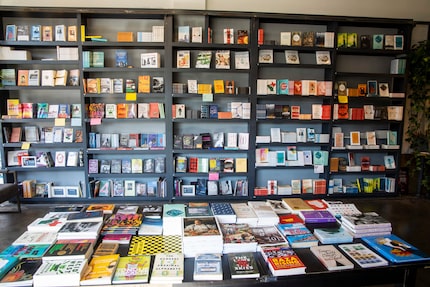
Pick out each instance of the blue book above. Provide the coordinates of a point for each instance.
(7, 263)
(302, 240)
(282, 87)
(395, 249)
(121, 58)
(333, 235)
(25, 251)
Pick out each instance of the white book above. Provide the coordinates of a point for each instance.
(292, 57)
(265, 56)
(48, 78)
(286, 38)
(196, 34)
(241, 60)
(275, 135)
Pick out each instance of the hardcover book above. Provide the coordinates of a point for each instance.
(395, 249)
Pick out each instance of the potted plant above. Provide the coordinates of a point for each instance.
(418, 130)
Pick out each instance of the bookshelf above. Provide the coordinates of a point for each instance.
(160, 38)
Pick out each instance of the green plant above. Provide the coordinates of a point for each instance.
(418, 130)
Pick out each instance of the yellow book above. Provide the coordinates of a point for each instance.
(82, 33)
(241, 164)
(204, 88)
(100, 270)
(144, 84)
(219, 87)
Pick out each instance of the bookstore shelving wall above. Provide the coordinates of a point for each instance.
(145, 124)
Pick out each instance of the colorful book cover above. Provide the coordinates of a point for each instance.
(100, 270)
(268, 235)
(302, 240)
(362, 255)
(72, 250)
(395, 249)
(243, 265)
(317, 216)
(53, 271)
(283, 260)
(25, 251)
(22, 273)
(333, 235)
(6, 263)
(132, 269)
(154, 244)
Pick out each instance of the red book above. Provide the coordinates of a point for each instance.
(154, 112)
(260, 36)
(283, 260)
(326, 112)
(193, 163)
(290, 218)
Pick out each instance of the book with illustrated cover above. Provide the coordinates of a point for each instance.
(68, 250)
(153, 244)
(362, 255)
(282, 260)
(268, 236)
(365, 220)
(6, 264)
(395, 249)
(222, 59)
(243, 265)
(331, 257)
(204, 59)
(333, 235)
(100, 270)
(25, 251)
(54, 271)
(22, 273)
(183, 59)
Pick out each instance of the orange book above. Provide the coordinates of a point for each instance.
(22, 77)
(125, 37)
(27, 110)
(154, 112)
(218, 86)
(121, 110)
(144, 84)
(173, 111)
(224, 115)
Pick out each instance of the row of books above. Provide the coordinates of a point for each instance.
(18, 110)
(152, 110)
(34, 134)
(210, 187)
(31, 188)
(300, 135)
(155, 35)
(205, 164)
(28, 159)
(44, 78)
(372, 88)
(144, 85)
(372, 139)
(203, 59)
(216, 141)
(45, 33)
(193, 87)
(134, 165)
(296, 186)
(341, 164)
(306, 39)
(294, 87)
(265, 56)
(236, 110)
(187, 34)
(126, 140)
(127, 188)
(371, 112)
(370, 185)
(290, 157)
(279, 111)
(375, 41)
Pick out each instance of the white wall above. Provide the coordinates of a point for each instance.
(418, 10)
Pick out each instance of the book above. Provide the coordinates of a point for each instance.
(362, 255)
(292, 57)
(69, 250)
(25, 251)
(6, 264)
(331, 257)
(168, 268)
(203, 59)
(80, 229)
(183, 59)
(100, 270)
(317, 216)
(54, 271)
(282, 260)
(333, 235)
(153, 244)
(21, 274)
(43, 238)
(222, 59)
(243, 265)
(395, 249)
(365, 220)
(208, 266)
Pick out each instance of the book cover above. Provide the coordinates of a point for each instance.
(222, 59)
(100, 270)
(283, 260)
(208, 266)
(54, 271)
(395, 249)
(317, 216)
(21, 274)
(362, 255)
(331, 257)
(6, 264)
(203, 59)
(333, 235)
(132, 269)
(168, 268)
(25, 251)
(243, 265)
(153, 244)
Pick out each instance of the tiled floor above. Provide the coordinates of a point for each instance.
(409, 216)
